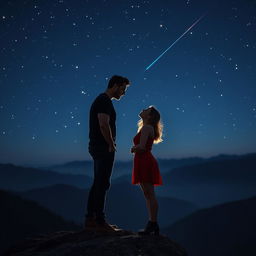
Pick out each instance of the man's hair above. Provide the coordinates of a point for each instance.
(119, 80)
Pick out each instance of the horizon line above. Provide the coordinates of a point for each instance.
(36, 165)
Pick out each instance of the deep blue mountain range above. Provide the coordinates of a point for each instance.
(125, 204)
(227, 229)
(198, 202)
(23, 178)
(210, 183)
(225, 178)
(125, 167)
(20, 218)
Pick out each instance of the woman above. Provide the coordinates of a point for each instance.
(145, 167)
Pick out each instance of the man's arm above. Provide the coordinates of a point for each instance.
(106, 131)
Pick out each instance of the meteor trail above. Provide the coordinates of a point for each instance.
(149, 66)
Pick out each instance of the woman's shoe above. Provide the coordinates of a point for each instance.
(151, 228)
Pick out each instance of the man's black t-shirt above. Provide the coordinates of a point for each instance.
(102, 104)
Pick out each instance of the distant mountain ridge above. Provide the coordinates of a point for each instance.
(203, 184)
(211, 183)
(20, 218)
(125, 204)
(199, 184)
(125, 167)
(22, 178)
(226, 229)
(226, 170)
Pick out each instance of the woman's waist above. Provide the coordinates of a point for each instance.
(147, 147)
(144, 154)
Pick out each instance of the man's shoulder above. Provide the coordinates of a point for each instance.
(102, 95)
(101, 99)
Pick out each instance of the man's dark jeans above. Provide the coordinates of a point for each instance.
(103, 164)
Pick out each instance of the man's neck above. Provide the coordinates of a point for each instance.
(109, 94)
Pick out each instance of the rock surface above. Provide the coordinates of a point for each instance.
(85, 243)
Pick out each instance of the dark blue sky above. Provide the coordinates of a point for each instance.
(56, 57)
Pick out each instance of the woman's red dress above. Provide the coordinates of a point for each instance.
(145, 166)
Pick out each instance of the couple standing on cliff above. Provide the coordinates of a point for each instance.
(102, 148)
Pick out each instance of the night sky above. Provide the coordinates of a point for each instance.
(56, 56)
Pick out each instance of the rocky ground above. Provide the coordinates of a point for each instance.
(85, 243)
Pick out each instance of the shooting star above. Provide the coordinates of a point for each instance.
(149, 66)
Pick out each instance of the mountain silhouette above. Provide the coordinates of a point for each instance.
(223, 230)
(125, 167)
(239, 170)
(65, 200)
(125, 204)
(86, 167)
(73, 167)
(212, 183)
(20, 218)
(22, 178)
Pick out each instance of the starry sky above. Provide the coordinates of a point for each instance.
(56, 56)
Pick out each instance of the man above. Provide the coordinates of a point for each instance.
(102, 147)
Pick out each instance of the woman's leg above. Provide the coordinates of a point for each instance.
(151, 201)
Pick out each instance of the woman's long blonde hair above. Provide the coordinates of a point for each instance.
(156, 123)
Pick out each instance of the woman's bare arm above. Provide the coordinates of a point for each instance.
(146, 131)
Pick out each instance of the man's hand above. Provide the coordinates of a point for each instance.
(112, 147)
(106, 131)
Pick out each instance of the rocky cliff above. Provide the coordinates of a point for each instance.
(84, 243)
